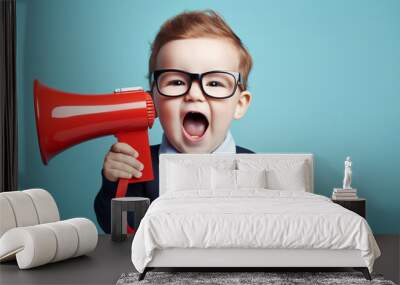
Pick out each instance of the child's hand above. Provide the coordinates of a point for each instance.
(121, 162)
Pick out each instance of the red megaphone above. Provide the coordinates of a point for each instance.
(66, 119)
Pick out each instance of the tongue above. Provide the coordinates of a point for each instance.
(194, 127)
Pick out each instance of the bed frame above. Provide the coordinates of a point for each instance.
(245, 259)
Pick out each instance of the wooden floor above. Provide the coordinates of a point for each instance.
(389, 262)
(110, 259)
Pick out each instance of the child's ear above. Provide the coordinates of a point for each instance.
(152, 98)
(242, 104)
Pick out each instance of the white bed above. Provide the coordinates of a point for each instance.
(247, 210)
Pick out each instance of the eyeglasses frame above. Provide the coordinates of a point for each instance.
(196, 76)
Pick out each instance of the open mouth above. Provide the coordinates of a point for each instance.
(195, 125)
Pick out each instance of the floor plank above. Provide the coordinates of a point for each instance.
(388, 263)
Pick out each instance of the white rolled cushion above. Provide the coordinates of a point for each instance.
(40, 244)
(251, 178)
(87, 235)
(184, 177)
(282, 174)
(223, 179)
(23, 208)
(67, 239)
(7, 218)
(33, 246)
(46, 207)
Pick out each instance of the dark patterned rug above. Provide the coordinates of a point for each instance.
(230, 278)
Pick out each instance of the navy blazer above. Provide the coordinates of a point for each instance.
(149, 189)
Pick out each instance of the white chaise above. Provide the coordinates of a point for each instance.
(31, 231)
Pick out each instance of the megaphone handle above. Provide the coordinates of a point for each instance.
(121, 192)
(139, 140)
(122, 188)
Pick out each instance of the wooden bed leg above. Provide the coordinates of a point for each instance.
(364, 271)
(143, 274)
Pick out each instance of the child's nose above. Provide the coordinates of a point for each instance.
(195, 93)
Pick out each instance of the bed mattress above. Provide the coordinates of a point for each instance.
(250, 219)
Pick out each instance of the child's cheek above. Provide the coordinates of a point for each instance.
(168, 112)
(222, 115)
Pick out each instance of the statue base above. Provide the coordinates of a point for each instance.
(344, 190)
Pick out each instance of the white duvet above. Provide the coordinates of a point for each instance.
(251, 218)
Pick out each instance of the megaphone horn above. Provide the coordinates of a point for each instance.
(66, 119)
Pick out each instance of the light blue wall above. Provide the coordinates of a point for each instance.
(326, 80)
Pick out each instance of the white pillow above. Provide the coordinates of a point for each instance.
(183, 177)
(282, 174)
(223, 179)
(251, 178)
(227, 179)
(290, 179)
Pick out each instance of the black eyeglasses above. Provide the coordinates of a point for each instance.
(216, 84)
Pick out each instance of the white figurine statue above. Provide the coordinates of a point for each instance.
(347, 174)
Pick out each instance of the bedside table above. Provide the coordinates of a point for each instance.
(357, 205)
(119, 209)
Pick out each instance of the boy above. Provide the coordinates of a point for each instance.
(198, 72)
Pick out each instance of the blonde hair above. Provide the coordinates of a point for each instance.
(196, 24)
